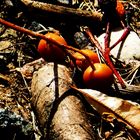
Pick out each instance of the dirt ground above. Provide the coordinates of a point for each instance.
(17, 49)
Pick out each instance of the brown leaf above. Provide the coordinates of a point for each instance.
(125, 110)
(29, 68)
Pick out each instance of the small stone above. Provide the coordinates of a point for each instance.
(129, 50)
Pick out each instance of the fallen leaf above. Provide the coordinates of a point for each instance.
(29, 68)
(125, 110)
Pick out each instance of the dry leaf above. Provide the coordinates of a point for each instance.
(125, 110)
(29, 68)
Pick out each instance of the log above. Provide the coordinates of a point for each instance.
(41, 8)
(61, 113)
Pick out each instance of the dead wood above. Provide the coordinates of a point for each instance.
(43, 9)
(60, 112)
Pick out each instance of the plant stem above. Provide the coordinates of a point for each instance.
(124, 35)
(109, 62)
(93, 39)
(107, 57)
(35, 34)
(106, 52)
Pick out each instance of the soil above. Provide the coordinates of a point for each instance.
(18, 49)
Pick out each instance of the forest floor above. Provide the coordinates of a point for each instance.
(18, 49)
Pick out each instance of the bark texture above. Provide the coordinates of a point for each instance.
(61, 12)
(61, 112)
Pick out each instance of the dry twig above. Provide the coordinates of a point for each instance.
(61, 10)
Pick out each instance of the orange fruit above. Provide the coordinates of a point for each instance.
(120, 9)
(100, 77)
(83, 63)
(50, 51)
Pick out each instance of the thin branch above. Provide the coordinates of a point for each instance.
(35, 34)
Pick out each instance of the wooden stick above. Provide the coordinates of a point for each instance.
(61, 10)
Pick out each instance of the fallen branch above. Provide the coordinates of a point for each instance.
(41, 7)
